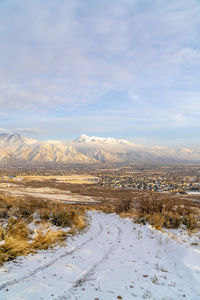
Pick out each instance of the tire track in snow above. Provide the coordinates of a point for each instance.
(86, 275)
(49, 264)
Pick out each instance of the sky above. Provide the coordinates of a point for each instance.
(112, 68)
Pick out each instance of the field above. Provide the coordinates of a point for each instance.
(74, 178)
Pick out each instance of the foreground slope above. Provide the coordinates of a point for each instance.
(114, 258)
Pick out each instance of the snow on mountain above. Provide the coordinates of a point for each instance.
(15, 138)
(176, 153)
(101, 140)
(15, 147)
(85, 149)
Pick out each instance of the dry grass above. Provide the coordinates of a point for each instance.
(159, 210)
(164, 211)
(2, 233)
(18, 243)
(17, 229)
(73, 179)
(16, 237)
(157, 220)
(43, 241)
(12, 248)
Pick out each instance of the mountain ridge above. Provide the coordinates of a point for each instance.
(85, 149)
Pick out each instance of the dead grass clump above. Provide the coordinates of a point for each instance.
(149, 206)
(190, 222)
(48, 239)
(157, 220)
(16, 237)
(172, 220)
(4, 213)
(25, 211)
(44, 213)
(63, 218)
(2, 233)
(69, 218)
(16, 245)
(123, 206)
(17, 229)
(12, 248)
(80, 222)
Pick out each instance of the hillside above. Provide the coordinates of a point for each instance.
(113, 259)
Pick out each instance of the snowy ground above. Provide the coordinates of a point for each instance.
(113, 259)
(45, 193)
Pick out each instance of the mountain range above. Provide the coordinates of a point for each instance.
(88, 149)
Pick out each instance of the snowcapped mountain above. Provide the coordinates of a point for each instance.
(15, 138)
(86, 149)
(15, 147)
(84, 139)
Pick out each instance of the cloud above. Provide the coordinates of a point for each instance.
(23, 130)
(5, 130)
(3, 115)
(30, 131)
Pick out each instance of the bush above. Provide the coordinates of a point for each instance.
(164, 211)
(69, 218)
(172, 220)
(150, 206)
(12, 248)
(62, 218)
(45, 213)
(157, 220)
(4, 213)
(190, 222)
(2, 233)
(48, 239)
(123, 206)
(17, 229)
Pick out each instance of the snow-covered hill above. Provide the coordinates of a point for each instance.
(113, 259)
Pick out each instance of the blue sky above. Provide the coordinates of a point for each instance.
(119, 68)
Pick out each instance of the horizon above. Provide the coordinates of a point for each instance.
(122, 69)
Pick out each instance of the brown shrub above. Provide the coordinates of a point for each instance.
(157, 220)
(124, 205)
(165, 211)
(45, 213)
(80, 222)
(148, 206)
(48, 239)
(17, 229)
(190, 222)
(63, 218)
(12, 248)
(172, 220)
(2, 233)
(4, 213)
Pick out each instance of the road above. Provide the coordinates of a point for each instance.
(113, 258)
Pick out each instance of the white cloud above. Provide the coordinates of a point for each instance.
(67, 52)
(3, 115)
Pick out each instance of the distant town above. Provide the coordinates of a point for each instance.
(153, 181)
